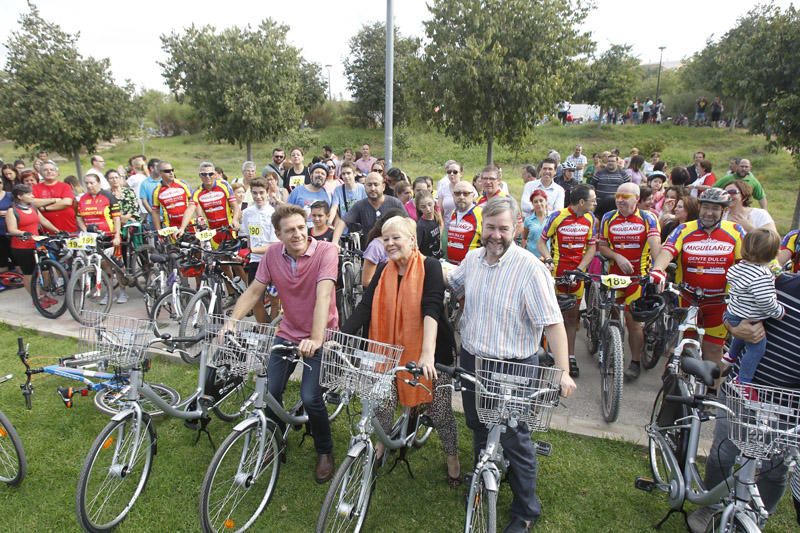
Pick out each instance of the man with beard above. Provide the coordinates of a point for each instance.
(464, 226)
(743, 172)
(508, 303)
(704, 250)
(305, 195)
(571, 233)
(365, 212)
(606, 182)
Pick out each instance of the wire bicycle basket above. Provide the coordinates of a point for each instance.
(117, 340)
(515, 390)
(245, 349)
(360, 366)
(765, 420)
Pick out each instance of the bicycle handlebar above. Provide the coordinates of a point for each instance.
(697, 400)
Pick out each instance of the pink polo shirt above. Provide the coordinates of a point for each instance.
(296, 282)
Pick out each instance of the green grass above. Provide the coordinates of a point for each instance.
(426, 151)
(586, 485)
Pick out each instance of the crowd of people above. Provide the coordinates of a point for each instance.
(505, 260)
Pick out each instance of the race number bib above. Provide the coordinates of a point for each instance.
(88, 239)
(254, 230)
(169, 230)
(206, 235)
(613, 281)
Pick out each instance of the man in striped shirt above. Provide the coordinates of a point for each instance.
(606, 182)
(509, 301)
(778, 368)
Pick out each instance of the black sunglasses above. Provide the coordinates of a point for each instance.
(167, 170)
(207, 174)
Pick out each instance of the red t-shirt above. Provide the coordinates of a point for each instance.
(217, 203)
(63, 219)
(25, 222)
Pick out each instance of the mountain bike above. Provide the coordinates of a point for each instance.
(13, 464)
(50, 276)
(350, 291)
(507, 393)
(357, 367)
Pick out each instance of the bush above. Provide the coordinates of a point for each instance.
(305, 139)
(320, 117)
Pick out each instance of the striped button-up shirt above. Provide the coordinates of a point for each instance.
(506, 305)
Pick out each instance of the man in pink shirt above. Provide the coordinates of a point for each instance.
(365, 163)
(304, 271)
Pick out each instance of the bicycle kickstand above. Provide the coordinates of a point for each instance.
(202, 428)
(671, 511)
(401, 456)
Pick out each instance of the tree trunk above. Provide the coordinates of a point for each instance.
(249, 151)
(79, 172)
(490, 149)
(600, 118)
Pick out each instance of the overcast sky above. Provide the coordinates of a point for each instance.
(128, 31)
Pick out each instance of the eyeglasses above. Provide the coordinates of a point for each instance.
(624, 196)
(278, 157)
(462, 193)
(733, 192)
(489, 179)
(167, 170)
(452, 171)
(207, 174)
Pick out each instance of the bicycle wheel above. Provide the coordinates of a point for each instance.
(112, 401)
(167, 311)
(227, 409)
(481, 506)
(49, 288)
(155, 286)
(195, 318)
(234, 494)
(611, 374)
(348, 288)
(13, 464)
(655, 342)
(347, 501)
(115, 472)
(592, 317)
(84, 294)
(142, 267)
(737, 523)
(334, 404)
(665, 416)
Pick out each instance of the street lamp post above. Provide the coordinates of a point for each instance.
(329, 81)
(658, 79)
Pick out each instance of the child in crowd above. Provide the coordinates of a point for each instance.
(319, 217)
(752, 297)
(240, 191)
(429, 225)
(257, 226)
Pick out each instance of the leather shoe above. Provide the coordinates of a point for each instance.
(324, 470)
(518, 525)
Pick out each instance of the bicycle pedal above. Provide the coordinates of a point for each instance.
(543, 448)
(425, 420)
(333, 398)
(645, 484)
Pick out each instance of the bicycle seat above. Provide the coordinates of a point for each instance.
(708, 371)
(158, 258)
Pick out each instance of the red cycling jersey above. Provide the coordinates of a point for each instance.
(791, 243)
(217, 202)
(173, 199)
(100, 210)
(705, 258)
(628, 236)
(569, 234)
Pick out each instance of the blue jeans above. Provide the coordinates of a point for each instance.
(279, 371)
(747, 354)
(517, 448)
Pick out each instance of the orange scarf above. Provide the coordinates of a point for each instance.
(397, 319)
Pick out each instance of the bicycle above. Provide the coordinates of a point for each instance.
(351, 290)
(760, 429)
(111, 389)
(13, 464)
(243, 473)
(660, 331)
(50, 276)
(366, 369)
(117, 467)
(605, 332)
(175, 295)
(90, 287)
(507, 393)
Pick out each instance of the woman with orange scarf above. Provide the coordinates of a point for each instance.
(404, 305)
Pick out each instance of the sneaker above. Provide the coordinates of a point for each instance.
(122, 298)
(728, 359)
(46, 301)
(574, 371)
(632, 372)
(699, 520)
(746, 390)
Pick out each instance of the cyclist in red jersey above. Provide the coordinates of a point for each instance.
(572, 233)
(631, 238)
(171, 196)
(215, 201)
(99, 207)
(704, 250)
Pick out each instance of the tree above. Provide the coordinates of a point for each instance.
(312, 87)
(494, 67)
(242, 82)
(366, 73)
(612, 79)
(55, 99)
(167, 115)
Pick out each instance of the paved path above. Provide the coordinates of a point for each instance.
(580, 414)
